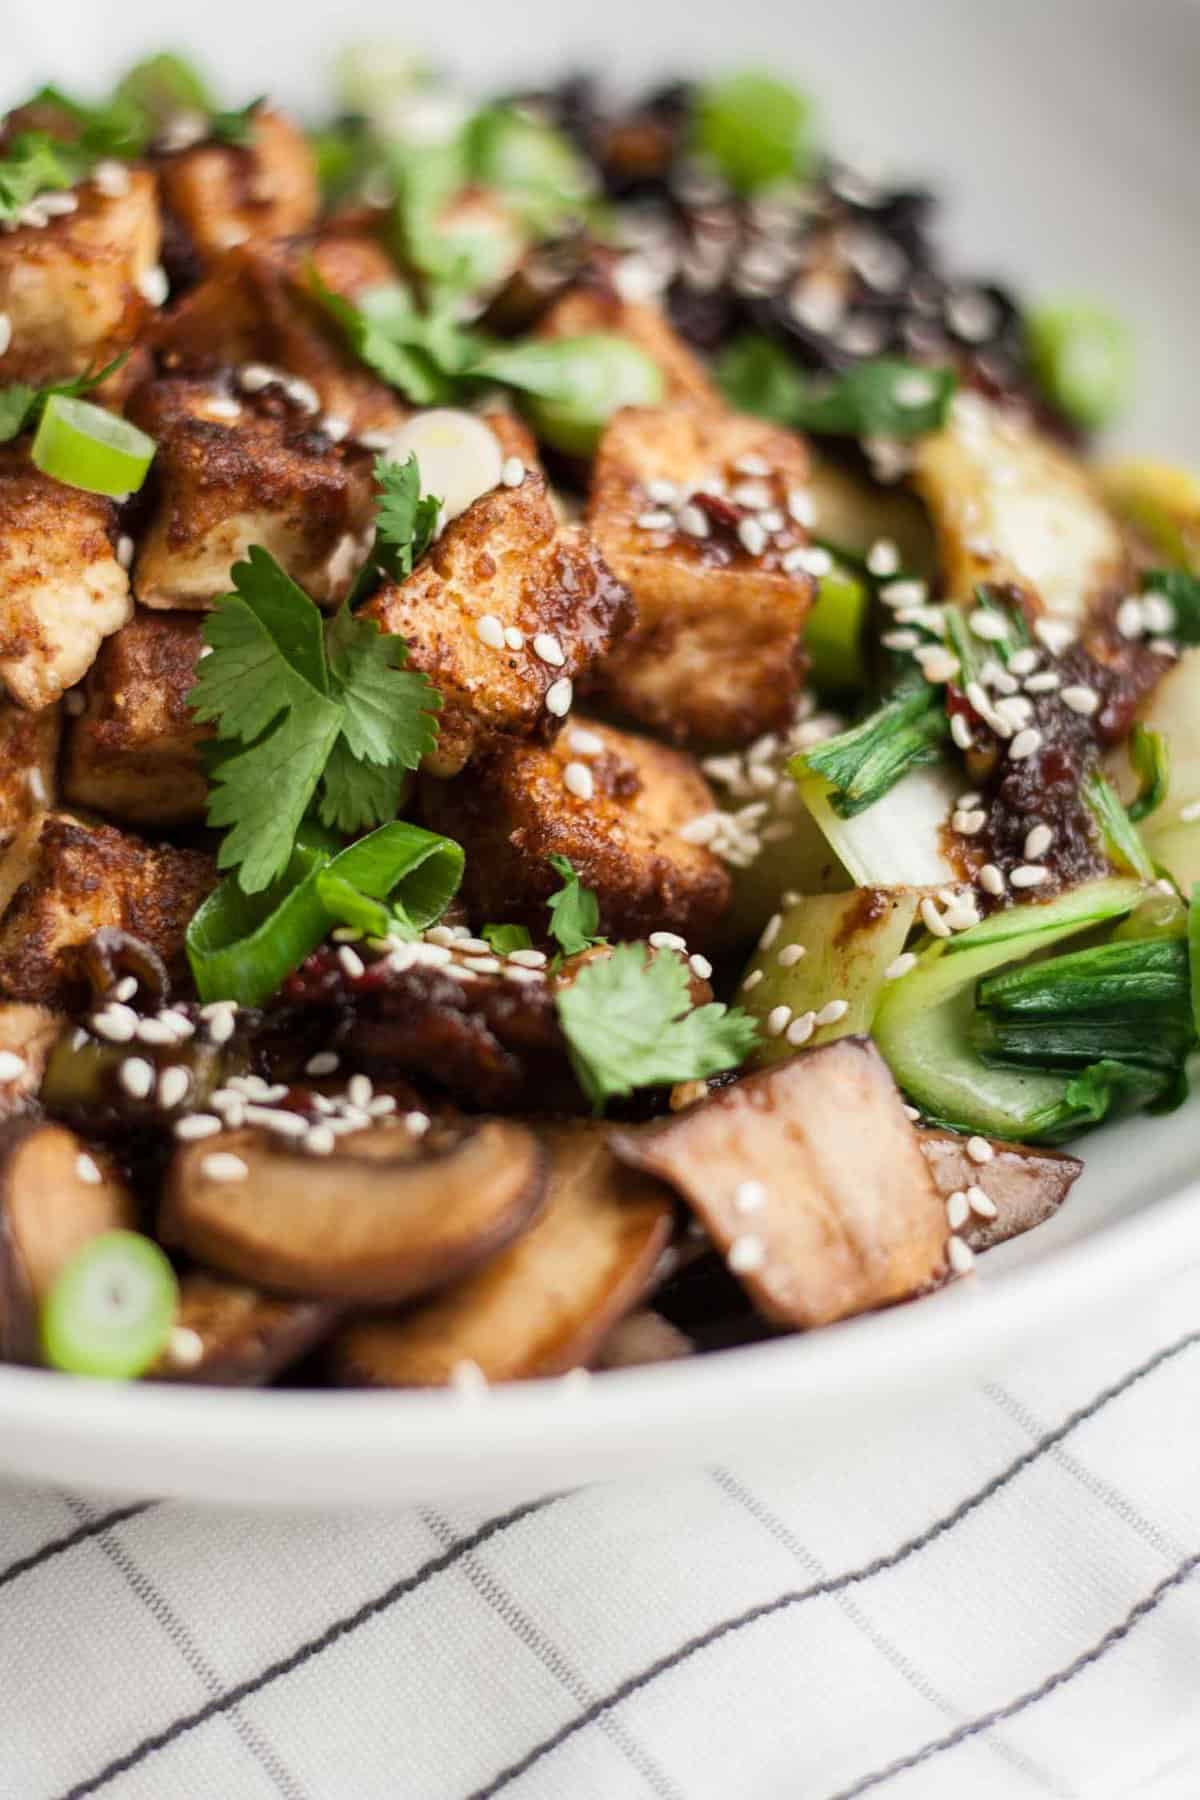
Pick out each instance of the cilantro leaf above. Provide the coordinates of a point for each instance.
(574, 910)
(406, 520)
(235, 127)
(33, 163)
(885, 397)
(263, 792)
(420, 354)
(628, 1022)
(354, 794)
(504, 939)
(387, 710)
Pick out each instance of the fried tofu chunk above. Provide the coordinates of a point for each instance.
(716, 654)
(1010, 507)
(28, 759)
(593, 307)
(63, 878)
(71, 288)
(220, 195)
(29, 1032)
(504, 613)
(62, 587)
(231, 472)
(255, 307)
(134, 750)
(613, 804)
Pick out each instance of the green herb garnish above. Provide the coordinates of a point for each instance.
(756, 129)
(574, 910)
(504, 939)
(1150, 755)
(35, 163)
(884, 398)
(21, 406)
(864, 763)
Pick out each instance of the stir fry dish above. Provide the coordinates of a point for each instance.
(594, 766)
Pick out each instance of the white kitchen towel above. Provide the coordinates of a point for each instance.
(994, 1594)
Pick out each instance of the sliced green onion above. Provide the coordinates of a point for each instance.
(86, 447)
(1122, 844)
(833, 632)
(111, 1310)
(243, 947)
(1083, 357)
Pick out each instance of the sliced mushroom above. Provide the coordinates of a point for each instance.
(55, 1196)
(1024, 1185)
(385, 1218)
(231, 1335)
(544, 1306)
(27, 1033)
(644, 1337)
(809, 1179)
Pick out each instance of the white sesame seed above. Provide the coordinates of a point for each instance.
(988, 625)
(962, 913)
(938, 664)
(112, 178)
(778, 1020)
(960, 731)
(752, 537)
(302, 394)
(221, 1027)
(5, 332)
(1081, 699)
(253, 377)
(770, 931)
(812, 558)
(932, 918)
(1025, 744)
(579, 780)
(752, 465)
(883, 558)
(790, 955)
(173, 1085)
(152, 285)
(1164, 646)
(548, 649)
(1038, 840)
(656, 519)
(351, 962)
(153, 1031)
(319, 1140)
(185, 1347)
(981, 1202)
(1044, 683)
(514, 639)
(417, 1123)
(359, 1090)
(1028, 875)
(222, 1165)
(117, 1023)
(513, 472)
(490, 631)
(137, 1077)
(468, 1379)
(749, 1196)
(559, 696)
(900, 640)
(1158, 613)
(914, 389)
(752, 494)
(336, 429)
(962, 1257)
(958, 1209)
(969, 824)
(278, 1121)
(667, 940)
(979, 1150)
(755, 976)
(1131, 622)
(197, 1125)
(802, 507)
(583, 742)
(693, 521)
(774, 521)
(746, 1254)
(223, 408)
(1024, 662)
(484, 965)
(126, 988)
(904, 593)
(899, 966)
(832, 1012)
(1056, 634)
(528, 959)
(663, 493)
(521, 976)
(1190, 813)
(700, 966)
(801, 1029)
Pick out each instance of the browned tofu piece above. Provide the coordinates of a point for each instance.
(70, 288)
(255, 307)
(513, 809)
(134, 750)
(221, 195)
(29, 1032)
(591, 306)
(1022, 1186)
(716, 655)
(28, 763)
(503, 564)
(64, 878)
(809, 1180)
(235, 469)
(62, 587)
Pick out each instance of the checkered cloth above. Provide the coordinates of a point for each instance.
(989, 1596)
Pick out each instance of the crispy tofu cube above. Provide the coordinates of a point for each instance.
(63, 879)
(503, 565)
(618, 823)
(254, 307)
(592, 307)
(62, 587)
(231, 472)
(28, 760)
(70, 288)
(1011, 507)
(134, 750)
(29, 1032)
(220, 195)
(716, 654)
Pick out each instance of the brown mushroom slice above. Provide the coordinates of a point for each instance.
(230, 1335)
(644, 1337)
(544, 1306)
(1025, 1185)
(809, 1179)
(386, 1217)
(56, 1194)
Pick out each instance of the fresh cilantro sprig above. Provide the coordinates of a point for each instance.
(406, 523)
(574, 910)
(21, 406)
(629, 1023)
(504, 939)
(304, 721)
(423, 354)
(35, 163)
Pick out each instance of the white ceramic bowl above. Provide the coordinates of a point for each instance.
(1066, 138)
